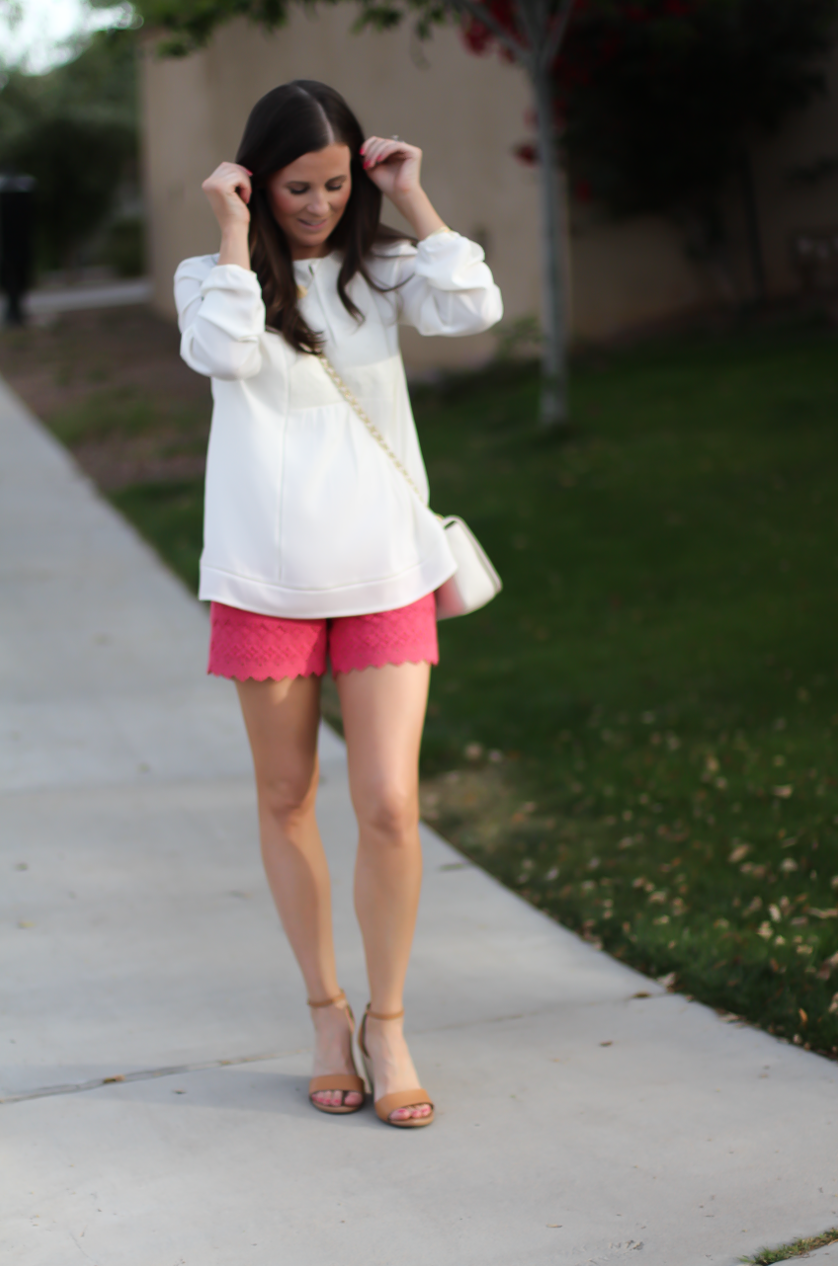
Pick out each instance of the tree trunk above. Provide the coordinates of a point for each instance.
(553, 410)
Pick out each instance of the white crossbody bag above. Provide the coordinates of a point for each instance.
(475, 582)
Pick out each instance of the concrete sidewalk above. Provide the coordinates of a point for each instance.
(154, 1031)
(113, 293)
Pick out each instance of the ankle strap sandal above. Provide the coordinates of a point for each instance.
(343, 1082)
(388, 1104)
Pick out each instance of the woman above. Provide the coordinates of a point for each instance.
(314, 542)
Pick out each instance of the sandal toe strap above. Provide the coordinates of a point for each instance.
(336, 1081)
(388, 1104)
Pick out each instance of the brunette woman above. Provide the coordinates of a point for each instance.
(314, 543)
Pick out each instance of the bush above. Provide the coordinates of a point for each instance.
(124, 248)
(75, 130)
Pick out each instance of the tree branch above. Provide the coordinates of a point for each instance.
(522, 12)
(556, 37)
(482, 15)
(527, 19)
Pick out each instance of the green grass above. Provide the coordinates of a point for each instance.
(125, 412)
(660, 670)
(767, 1256)
(657, 684)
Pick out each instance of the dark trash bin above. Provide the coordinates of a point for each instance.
(17, 211)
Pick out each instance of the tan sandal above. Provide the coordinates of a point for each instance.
(388, 1104)
(344, 1082)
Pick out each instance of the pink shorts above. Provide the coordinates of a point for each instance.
(244, 644)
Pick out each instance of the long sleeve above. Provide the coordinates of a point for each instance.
(445, 286)
(221, 318)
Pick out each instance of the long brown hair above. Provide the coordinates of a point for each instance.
(294, 119)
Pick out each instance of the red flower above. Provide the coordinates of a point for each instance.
(526, 153)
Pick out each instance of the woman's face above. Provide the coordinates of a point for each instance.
(309, 196)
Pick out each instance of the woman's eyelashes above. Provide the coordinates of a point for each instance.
(299, 190)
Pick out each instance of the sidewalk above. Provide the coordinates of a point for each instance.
(115, 293)
(154, 1028)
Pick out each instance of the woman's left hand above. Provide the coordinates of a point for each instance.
(393, 166)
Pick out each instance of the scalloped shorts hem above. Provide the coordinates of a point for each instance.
(247, 646)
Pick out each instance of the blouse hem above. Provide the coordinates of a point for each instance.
(264, 598)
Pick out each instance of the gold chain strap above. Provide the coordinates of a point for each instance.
(368, 423)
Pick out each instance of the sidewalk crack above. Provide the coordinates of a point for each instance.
(145, 1074)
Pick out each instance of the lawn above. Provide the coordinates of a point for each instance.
(650, 705)
(638, 734)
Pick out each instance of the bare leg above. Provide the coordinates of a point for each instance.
(383, 714)
(281, 719)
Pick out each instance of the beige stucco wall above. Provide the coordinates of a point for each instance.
(467, 113)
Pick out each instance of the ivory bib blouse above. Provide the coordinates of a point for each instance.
(305, 515)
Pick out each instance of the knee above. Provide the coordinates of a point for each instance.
(286, 798)
(391, 815)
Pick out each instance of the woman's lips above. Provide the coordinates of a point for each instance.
(313, 225)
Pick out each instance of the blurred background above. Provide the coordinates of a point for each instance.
(638, 734)
(700, 159)
(69, 117)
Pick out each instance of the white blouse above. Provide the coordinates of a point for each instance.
(305, 516)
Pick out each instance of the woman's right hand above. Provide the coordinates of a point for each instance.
(228, 190)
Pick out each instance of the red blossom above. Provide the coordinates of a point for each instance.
(587, 53)
(526, 153)
(479, 38)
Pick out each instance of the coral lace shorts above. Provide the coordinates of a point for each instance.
(244, 644)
